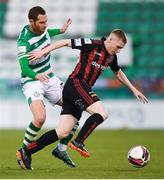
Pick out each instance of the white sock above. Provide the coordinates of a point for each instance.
(62, 147)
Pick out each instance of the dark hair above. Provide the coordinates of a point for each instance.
(35, 11)
(120, 33)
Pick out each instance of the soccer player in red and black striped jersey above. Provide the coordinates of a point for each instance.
(95, 57)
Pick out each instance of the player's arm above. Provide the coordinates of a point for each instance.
(24, 64)
(65, 25)
(23, 49)
(56, 45)
(53, 32)
(26, 70)
(123, 78)
(81, 44)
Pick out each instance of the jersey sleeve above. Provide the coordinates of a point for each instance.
(82, 44)
(54, 32)
(23, 50)
(114, 64)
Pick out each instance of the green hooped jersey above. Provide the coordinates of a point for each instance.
(30, 42)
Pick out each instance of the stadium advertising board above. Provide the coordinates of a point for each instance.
(122, 114)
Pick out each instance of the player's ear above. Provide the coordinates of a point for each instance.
(31, 21)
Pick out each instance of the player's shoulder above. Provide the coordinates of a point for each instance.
(25, 34)
(85, 41)
(98, 41)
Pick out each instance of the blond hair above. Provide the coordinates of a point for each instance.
(120, 34)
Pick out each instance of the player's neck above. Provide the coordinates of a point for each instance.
(106, 44)
(34, 31)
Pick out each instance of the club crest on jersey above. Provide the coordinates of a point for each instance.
(37, 94)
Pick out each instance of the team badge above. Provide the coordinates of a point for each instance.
(37, 94)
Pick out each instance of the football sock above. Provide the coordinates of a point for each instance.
(90, 124)
(62, 145)
(30, 134)
(46, 139)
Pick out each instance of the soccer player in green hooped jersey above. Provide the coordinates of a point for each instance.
(38, 80)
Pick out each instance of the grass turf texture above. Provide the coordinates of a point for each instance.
(108, 159)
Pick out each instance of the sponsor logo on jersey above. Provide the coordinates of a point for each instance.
(87, 41)
(78, 42)
(98, 65)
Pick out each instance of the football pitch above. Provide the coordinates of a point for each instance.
(108, 149)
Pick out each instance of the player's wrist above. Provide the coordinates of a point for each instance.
(36, 76)
(62, 30)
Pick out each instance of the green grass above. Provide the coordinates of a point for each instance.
(108, 157)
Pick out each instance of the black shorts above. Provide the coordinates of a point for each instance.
(77, 96)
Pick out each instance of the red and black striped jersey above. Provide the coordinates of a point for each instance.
(93, 60)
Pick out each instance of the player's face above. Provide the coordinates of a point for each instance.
(39, 26)
(114, 44)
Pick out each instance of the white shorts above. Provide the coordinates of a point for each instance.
(52, 91)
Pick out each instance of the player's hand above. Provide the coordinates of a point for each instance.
(35, 55)
(42, 77)
(66, 25)
(140, 96)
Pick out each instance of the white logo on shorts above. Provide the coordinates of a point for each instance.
(37, 94)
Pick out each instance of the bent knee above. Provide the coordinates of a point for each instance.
(62, 134)
(105, 115)
(40, 119)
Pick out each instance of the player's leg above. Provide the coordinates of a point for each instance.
(62, 145)
(33, 92)
(64, 133)
(60, 151)
(37, 108)
(91, 103)
(54, 96)
(98, 115)
(66, 123)
(39, 114)
(81, 97)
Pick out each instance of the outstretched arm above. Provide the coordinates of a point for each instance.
(54, 32)
(122, 77)
(56, 45)
(65, 25)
